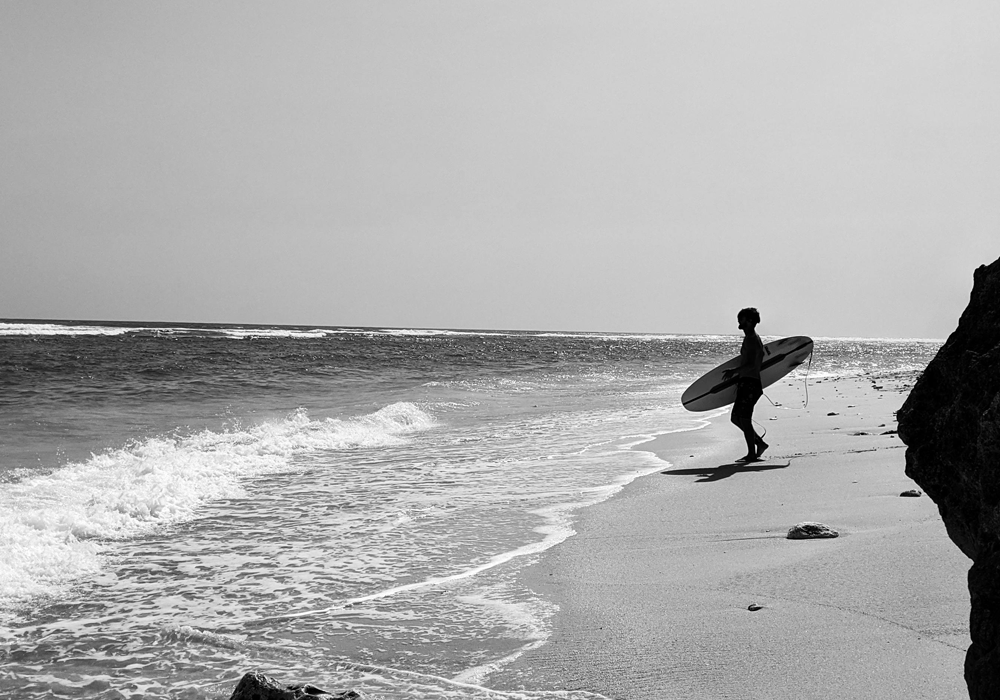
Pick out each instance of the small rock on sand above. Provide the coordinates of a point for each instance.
(912, 493)
(810, 530)
(257, 686)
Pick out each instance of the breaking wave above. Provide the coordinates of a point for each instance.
(53, 527)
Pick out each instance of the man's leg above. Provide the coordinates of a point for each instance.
(741, 417)
(750, 436)
(757, 446)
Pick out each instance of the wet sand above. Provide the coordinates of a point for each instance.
(654, 589)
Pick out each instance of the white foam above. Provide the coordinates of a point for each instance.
(52, 526)
(251, 333)
(892, 341)
(616, 336)
(59, 329)
(431, 332)
(557, 527)
(235, 333)
(224, 332)
(526, 619)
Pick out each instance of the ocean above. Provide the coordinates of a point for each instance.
(348, 507)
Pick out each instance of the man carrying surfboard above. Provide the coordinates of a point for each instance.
(748, 385)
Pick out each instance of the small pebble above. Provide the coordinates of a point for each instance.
(912, 493)
(754, 607)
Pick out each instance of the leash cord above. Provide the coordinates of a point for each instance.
(805, 384)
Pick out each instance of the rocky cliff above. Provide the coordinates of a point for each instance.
(951, 425)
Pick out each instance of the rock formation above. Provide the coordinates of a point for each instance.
(951, 425)
(257, 686)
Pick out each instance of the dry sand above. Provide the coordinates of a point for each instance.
(654, 588)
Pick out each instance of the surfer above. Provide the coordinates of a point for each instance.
(748, 386)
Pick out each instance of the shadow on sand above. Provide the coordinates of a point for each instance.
(726, 470)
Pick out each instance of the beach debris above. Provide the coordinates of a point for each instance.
(912, 493)
(809, 530)
(831, 413)
(256, 686)
(949, 423)
(754, 607)
(859, 433)
(890, 432)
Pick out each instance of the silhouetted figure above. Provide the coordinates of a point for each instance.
(748, 386)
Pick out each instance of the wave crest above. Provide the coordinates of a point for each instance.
(51, 526)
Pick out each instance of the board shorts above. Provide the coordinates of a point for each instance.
(748, 391)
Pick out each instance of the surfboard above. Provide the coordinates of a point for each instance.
(780, 358)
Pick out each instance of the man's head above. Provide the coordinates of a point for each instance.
(748, 317)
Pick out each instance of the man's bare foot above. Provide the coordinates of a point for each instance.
(747, 459)
(761, 446)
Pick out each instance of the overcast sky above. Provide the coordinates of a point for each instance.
(576, 165)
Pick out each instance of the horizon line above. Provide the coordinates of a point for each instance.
(300, 326)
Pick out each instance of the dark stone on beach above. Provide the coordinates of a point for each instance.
(912, 493)
(890, 432)
(951, 425)
(754, 607)
(257, 686)
(811, 531)
(833, 414)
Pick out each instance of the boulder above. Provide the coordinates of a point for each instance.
(257, 686)
(810, 531)
(950, 423)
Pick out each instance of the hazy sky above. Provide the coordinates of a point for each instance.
(621, 166)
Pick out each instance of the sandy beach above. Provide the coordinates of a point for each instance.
(654, 589)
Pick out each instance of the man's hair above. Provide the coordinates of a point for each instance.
(751, 313)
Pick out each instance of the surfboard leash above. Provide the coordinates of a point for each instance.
(763, 430)
(805, 384)
(805, 379)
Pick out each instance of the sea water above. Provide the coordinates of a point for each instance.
(180, 504)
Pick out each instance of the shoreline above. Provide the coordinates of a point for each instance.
(653, 591)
